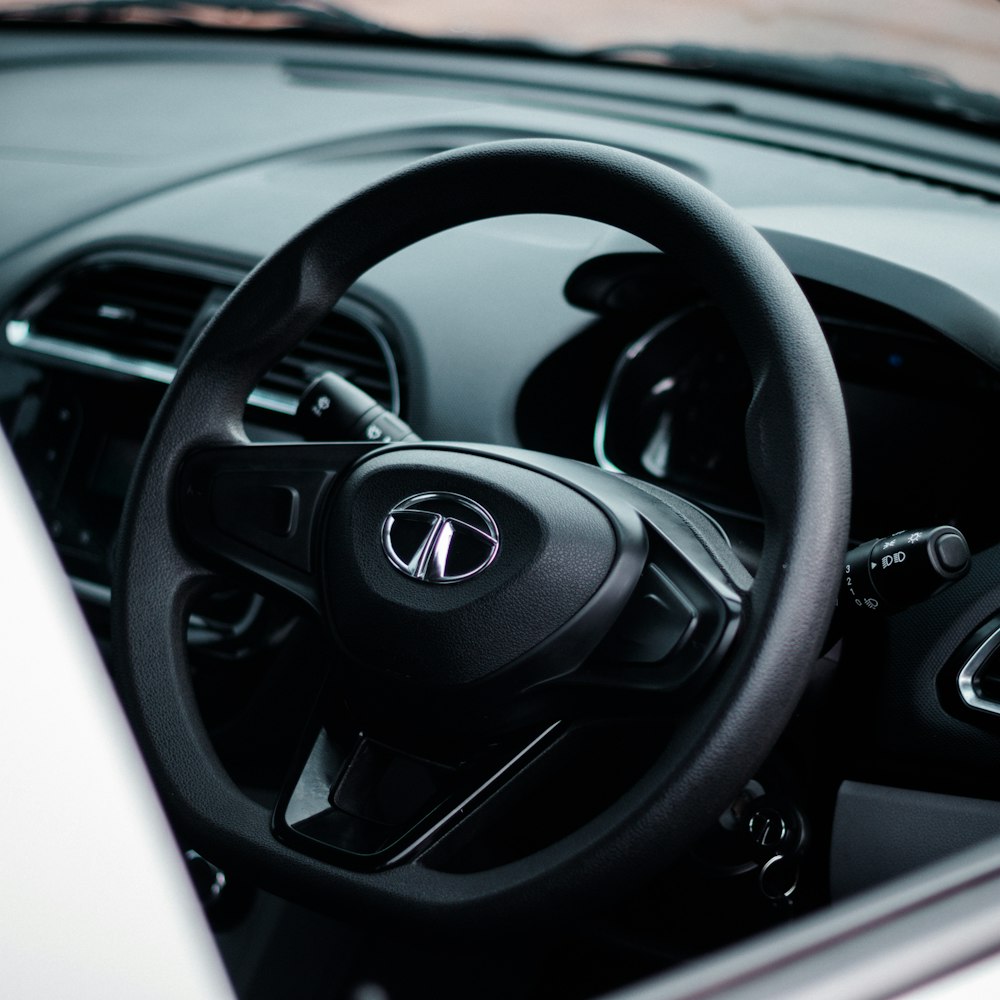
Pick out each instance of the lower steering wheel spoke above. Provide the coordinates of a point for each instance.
(366, 804)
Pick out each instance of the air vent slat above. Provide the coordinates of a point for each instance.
(133, 312)
(288, 384)
(374, 387)
(133, 342)
(115, 314)
(138, 347)
(322, 352)
(95, 298)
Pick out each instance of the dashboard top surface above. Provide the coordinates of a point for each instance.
(280, 136)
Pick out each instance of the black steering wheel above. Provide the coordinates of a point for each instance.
(482, 601)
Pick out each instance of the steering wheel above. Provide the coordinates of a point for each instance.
(481, 601)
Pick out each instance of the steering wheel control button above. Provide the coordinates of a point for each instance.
(892, 573)
(440, 538)
(656, 622)
(265, 516)
(276, 509)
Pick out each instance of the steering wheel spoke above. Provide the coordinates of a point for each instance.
(255, 508)
(368, 805)
(677, 627)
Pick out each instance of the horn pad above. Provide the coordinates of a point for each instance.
(442, 567)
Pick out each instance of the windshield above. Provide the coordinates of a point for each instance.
(958, 37)
(947, 48)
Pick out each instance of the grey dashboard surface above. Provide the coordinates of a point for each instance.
(230, 150)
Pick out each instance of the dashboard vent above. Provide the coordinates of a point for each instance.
(133, 311)
(343, 345)
(136, 314)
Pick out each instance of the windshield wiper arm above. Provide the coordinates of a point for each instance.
(889, 84)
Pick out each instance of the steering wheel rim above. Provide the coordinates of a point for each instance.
(798, 454)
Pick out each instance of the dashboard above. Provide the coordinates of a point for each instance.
(144, 176)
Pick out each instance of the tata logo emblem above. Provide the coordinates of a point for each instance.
(440, 537)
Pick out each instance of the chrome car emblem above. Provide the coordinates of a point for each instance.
(440, 537)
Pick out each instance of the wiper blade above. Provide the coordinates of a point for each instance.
(894, 84)
(251, 15)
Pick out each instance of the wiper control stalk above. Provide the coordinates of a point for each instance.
(333, 409)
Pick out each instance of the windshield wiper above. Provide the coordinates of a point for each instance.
(899, 86)
(251, 15)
